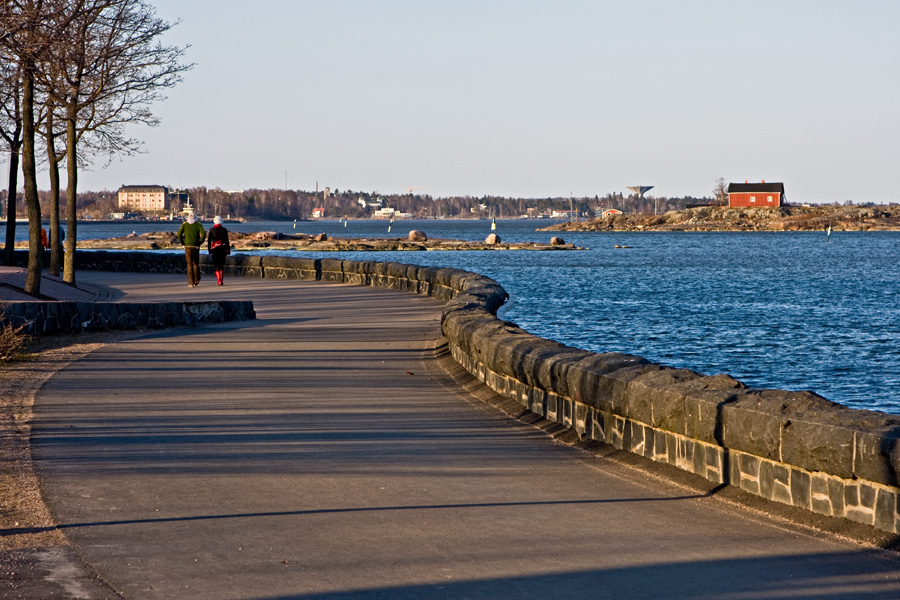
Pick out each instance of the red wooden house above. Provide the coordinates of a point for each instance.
(769, 195)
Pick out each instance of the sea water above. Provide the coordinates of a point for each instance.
(786, 310)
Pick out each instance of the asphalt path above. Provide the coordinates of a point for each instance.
(322, 451)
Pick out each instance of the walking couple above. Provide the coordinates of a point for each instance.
(191, 235)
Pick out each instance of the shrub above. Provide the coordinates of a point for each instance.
(12, 338)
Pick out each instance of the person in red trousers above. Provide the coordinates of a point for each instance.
(219, 247)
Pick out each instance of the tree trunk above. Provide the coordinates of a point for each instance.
(71, 196)
(11, 211)
(29, 172)
(53, 166)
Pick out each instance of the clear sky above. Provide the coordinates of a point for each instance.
(528, 98)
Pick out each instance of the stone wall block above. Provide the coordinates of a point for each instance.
(332, 270)
(702, 414)
(519, 391)
(698, 464)
(801, 488)
(617, 431)
(633, 437)
(600, 426)
(886, 517)
(442, 276)
(485, 335)
(537, 401)
(766, 479)
(504, 350)
(650, 449)
(836, 495)
(675, 403)
(580, 420)
(527, 360)
(585, 377)
(877, 451)
(715, 461)
(552, 409)
(568, 411)
(127, 320)
(285, 267)
(653, 398)
(781, 484)
(752, 423)
(815, 436)
(243, 265)
(613, 387)
(819, 496)
(658, 446)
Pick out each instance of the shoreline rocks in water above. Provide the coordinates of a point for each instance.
(271, 240)
(724, 218)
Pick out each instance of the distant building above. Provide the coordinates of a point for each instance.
(611, 212)
(769, 195)
(384, 213)
(370, 203)
(318, 213)
(143, 197)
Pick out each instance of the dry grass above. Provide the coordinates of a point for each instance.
(12, 339)
(25, 521)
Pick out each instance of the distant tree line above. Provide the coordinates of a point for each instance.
(280, 204)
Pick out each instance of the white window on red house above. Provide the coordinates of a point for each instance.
(770, 198)
(752, 198)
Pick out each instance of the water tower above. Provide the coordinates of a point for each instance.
(640, 190)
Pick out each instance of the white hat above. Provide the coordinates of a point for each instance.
(217, 220)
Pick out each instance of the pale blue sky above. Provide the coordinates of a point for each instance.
(529, 98)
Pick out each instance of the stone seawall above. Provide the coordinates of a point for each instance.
(44, 318)
(796, 448)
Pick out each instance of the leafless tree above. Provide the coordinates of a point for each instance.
(28, 29)
(720, 191)
(48, 126)
(114, 69)
(11, 132)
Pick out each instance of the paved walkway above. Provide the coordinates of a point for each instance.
(12, 282)
(322, 452)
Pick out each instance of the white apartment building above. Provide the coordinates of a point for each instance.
(143, 197)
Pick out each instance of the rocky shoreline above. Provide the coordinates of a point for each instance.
(724, 218)
(270, 240)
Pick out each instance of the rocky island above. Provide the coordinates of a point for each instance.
(271, 240)
(724, 218)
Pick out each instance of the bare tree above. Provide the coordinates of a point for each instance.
(114, 69)
(49, 130)
(28, 28)
(11, 132)
(720, 191)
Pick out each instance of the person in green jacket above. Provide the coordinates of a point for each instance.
(191, 235)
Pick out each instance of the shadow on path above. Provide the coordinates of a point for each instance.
(839, 575)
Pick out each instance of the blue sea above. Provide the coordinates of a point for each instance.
(775, 310)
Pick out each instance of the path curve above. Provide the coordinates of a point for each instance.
(322, 452)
